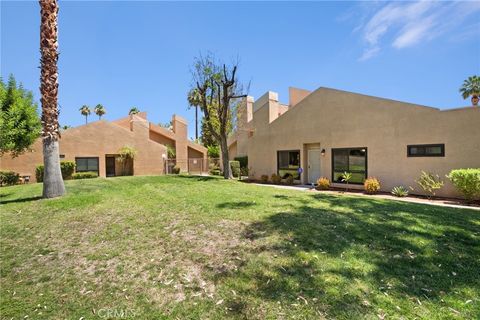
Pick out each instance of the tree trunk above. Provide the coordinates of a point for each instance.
(196, 123)
(227, 172)
(52, 176)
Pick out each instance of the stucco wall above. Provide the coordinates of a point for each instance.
(96, 139)
(337, 119)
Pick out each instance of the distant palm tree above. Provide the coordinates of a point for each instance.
(53, 185)
(194, 100)
(85, 111)
(134, 110)
(99, 111)
(471, 88)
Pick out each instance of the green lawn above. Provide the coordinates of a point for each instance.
(199, 247)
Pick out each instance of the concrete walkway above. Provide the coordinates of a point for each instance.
(451, 203)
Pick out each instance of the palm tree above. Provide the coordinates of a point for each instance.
(133, 110)
(85, 111)
(99, 111)
(471, 88)
(53, 185)
(194, 100)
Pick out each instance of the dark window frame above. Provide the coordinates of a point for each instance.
(98, 164)
(299, 160)
(441, 145)
(348, 164)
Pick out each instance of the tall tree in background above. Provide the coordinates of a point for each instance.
(218, 91)
(99, 111)
(471, 88)
(85, 111)
(53, 185)
(20, 124)
(194, 101)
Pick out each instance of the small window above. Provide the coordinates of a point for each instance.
(426, 150)
(86, 164)
(62, 156)
(353, 160)
(288, 163)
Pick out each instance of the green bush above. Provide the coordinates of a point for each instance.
(244, 172)
(400, 191)
(84, 175)
(235, 166)
(467, 181)
(216, 172)
(9, 178)
(243, 161)
(67, 168)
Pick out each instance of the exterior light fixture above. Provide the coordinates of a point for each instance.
(322, 152)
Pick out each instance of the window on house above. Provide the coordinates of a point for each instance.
(426, 150)
(288, 163)
(86, 164)
(62, 156)
(353, 160)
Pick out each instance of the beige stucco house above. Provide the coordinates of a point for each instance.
(327, 132)
(94, 147)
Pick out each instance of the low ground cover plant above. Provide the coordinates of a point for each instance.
(371, 185)
(276, 179)
(264, 178)
(323, 184)
(399, 191)
(289, 180)
(84, 175)
(466, 181)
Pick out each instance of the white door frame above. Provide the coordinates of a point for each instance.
(317, 151)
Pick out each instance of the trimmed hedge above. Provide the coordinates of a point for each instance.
(67, 168)
(84, 175)
(235, 166)
(467, 181)
(9, 178)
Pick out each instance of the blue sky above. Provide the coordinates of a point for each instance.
(125, 54)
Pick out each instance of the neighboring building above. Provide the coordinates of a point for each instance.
(94, 147)
(327, 132)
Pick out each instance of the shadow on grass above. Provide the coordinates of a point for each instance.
(196, 178)
(236, 205)
(20, 200)
(348, 249)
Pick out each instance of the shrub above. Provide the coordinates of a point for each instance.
(9, 178)
(216, 172)
(467, 181)
(399, 191)
(243, 161)
(289, 180)
(176, 170)
(276, 179)
(67, 168)
(244, 172)
(323, 184)
(171, 152)
(371, 185)
(235, 167)
(429, 183)
(264, 178)
(213, 151)
(84, 175)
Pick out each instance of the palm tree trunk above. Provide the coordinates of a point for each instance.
(196, 123)
(53, 185)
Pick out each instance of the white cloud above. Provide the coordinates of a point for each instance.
(405, 24)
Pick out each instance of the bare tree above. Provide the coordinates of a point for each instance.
(217, 92)
(53, 185)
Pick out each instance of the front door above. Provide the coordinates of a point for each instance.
(313, 165)
(110, 166)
